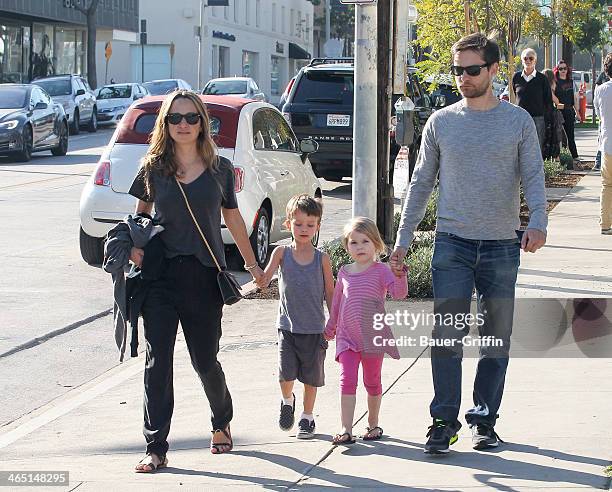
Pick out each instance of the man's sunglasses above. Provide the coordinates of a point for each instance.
(472, 70)
(528, 58)
(176, 118)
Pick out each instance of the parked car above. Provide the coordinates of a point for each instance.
(30, 122)
(580, 78)
(445, 87)
(320, 106)
(270, 167)
(244, 87)
(165, 86)
(77, 98)
(114, 99)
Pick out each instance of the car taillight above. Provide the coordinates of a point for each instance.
(238, 179)
(102, 177)
(289, 86)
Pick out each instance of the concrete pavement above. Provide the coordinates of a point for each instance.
(555, 417)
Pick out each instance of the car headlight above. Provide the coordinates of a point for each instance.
(9, 125)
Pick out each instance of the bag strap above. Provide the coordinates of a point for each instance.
(197, 225)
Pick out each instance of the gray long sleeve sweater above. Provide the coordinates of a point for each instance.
(481, 157)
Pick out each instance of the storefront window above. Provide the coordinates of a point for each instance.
(65, 49)
(42, 52)
(249, 64)
(275, 81)
(13, 52)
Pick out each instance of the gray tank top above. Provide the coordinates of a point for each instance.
(302, 292)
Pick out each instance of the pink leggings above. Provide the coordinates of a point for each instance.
(349, 371)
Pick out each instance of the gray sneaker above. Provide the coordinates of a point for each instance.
(286, 417)
(607, 232)
(306, 429)
(484, 436)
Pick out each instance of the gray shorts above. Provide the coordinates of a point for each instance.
(301, 357)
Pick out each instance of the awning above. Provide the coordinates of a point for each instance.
(297, 52)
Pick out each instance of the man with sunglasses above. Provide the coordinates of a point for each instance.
(533, 93)
(480, 149)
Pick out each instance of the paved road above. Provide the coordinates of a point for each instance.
(46, 288)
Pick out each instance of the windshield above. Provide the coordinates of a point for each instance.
(161, 88)
(115, 92)
(225, 87)
(330, 87)
(55, 87)
(13, 97)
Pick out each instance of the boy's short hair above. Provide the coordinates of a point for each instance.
(305, 204)
(480, 43)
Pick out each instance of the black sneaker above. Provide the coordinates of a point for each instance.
(441, 435)
(306, 429)
(484, 436)
(286, 418)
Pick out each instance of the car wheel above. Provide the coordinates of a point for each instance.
(332, 177)
(62, 145)
(27, 145)
(92, 248)
(260, 237)
(93, 122)
(76, 123)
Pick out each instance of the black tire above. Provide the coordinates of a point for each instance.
(260, 237)
(92, 248)
(75, 129)
(25, 154)
(92, 127)
(332, 177)
(62, 146)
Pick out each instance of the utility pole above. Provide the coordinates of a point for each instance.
(384, 195)
(200, 33)
(364, 113)
(327, 20)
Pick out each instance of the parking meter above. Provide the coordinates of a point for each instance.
(404, 129)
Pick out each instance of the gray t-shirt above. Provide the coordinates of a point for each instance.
(206, 194)
(481, 157)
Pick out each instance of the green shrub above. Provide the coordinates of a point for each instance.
(552, 168)
(566, 159)
(337, 255)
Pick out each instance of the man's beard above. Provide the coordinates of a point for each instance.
(474, 91)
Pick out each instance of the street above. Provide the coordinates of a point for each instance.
(49, 293)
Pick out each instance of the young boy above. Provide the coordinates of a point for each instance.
(305, 280)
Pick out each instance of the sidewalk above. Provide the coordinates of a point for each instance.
(555, 417)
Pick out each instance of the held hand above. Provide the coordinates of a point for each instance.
(259, 277)
(533, 239)
(328, 335)
(396, 261)
(136, 256)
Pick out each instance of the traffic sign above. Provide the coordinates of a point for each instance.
(108, 50)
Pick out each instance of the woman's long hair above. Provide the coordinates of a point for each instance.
(556, 70)
(160, 155)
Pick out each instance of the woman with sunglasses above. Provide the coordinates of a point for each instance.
(183, 153)
(567, 96)
(533, 93)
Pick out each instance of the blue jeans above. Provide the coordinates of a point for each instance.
(458, 266)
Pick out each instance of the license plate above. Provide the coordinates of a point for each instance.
(338, 120)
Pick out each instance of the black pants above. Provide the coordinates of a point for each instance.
(188, 293)
(568, 125)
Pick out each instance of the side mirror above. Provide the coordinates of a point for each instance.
(41, 105)
(308, 146)
(439, 101)
(80, 92)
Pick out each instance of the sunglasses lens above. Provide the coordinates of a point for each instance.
(473, 70)
(456, 70)
(174, 118)
(192, 118)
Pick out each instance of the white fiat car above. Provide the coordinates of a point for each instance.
(270, 167)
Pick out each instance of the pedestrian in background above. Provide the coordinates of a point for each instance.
(305, 281)
(554, 128)
(359, 299)
(567, 96)
(183, 154)
(602, 103)
(533, 93)
(601, 79)
(489, 147)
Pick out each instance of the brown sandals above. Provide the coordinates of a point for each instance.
(222, 447)
(344, 438)
(373, 434)
(148, 464)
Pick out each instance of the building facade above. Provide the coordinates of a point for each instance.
(268, 40)
(46, 37)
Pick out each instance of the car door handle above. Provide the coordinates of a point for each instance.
(284, 173)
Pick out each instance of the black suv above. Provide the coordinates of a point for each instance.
(320, 106)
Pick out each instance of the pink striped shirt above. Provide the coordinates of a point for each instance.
(357, 298)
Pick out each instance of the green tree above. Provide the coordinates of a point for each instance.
(90, 13)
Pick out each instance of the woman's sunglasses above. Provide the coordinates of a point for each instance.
(176, 118)
(562, 69)
(472, 70)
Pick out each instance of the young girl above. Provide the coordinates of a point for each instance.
(305, 280)
(360, 294)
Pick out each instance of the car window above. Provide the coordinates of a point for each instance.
(216, 87)
(114, 92)
(35, 97)
(586, 78)
(161, 87)
(145, 123)
(45, 97)
(13, 97)
(85, 84)
(271, 132)
(319, 86)
(255, 87)
(56, 87)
